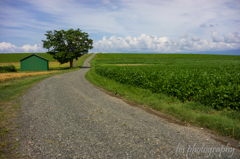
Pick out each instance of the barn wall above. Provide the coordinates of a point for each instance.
(34, 63)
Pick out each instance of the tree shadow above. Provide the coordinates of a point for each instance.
(59, 68)
(66, 68)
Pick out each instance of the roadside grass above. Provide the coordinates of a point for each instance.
(225, 123)
(10, 93)
(8, 76)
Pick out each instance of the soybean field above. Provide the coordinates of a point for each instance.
(213, 80)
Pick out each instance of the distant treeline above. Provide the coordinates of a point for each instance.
(16, 57)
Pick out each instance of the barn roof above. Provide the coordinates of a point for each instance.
(34, 55)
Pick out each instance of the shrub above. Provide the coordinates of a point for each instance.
(9, 68)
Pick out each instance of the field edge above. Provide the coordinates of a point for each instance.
(219, 125)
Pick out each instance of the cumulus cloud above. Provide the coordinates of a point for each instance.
(216, 37)
(134, 44)
(232, 37)
(194, 38)
(9, 48)
(146, 43)
(185, 35)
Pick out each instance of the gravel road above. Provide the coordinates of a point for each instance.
(65, 116)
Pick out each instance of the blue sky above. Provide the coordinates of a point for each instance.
(163, 26)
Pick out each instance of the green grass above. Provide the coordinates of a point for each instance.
(165, 59)
(16, 57)
(223, 122)
(10, 92)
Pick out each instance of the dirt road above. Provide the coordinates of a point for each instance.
(64, 116)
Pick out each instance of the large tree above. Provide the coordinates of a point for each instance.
(65, 46)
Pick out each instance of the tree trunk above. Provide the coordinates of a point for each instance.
(71, 63)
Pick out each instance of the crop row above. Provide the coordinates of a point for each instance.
(218, 87)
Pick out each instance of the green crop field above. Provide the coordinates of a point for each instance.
(203, 90)
(218, 87)
(15, 57)
(212, 80)
(166, 59)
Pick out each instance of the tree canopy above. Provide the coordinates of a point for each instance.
(65, 46)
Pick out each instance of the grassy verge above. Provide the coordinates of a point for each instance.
(10, 92)
(225, 123)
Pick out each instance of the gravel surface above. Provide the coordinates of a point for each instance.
(65, 116)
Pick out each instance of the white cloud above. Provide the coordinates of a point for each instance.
(75, 14)
(194, 38)
(232, 37)
(9, 48)
(185, 35)
(216, 37)
(131, 44)
(146, 43)
(123, 17)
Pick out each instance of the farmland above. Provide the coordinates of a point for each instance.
(15, 57)
(218, 87)
(203, 90)
(212, 80)
(171, 60)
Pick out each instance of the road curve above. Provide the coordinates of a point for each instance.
(65, 116)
